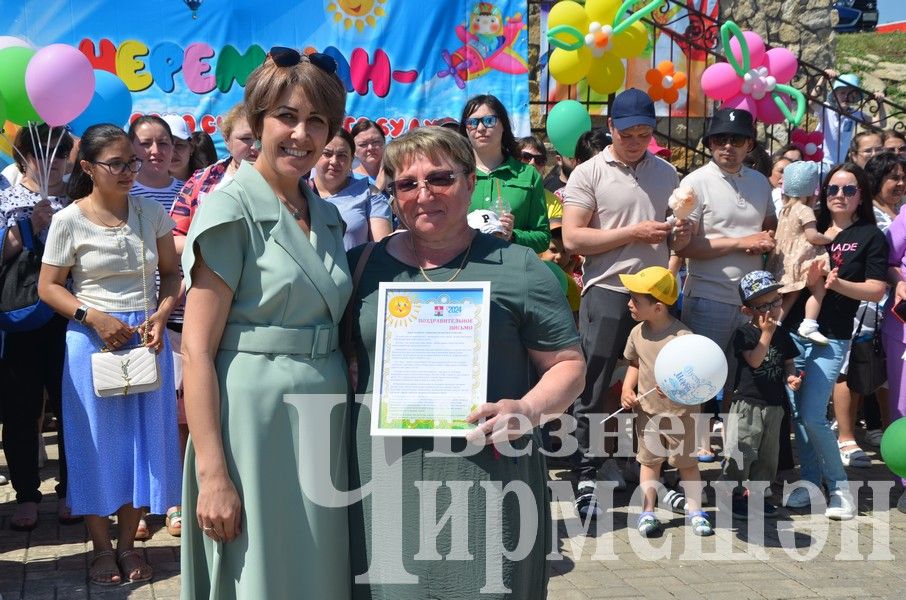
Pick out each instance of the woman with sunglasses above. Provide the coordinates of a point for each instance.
(123, 451)
(532, 152)
(858, 271)
(267, 283)
(33, 360)
(365, 213)
(503, 184)
(369, 150)
(431, 171)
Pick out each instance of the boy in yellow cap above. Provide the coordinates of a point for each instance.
(651, 292)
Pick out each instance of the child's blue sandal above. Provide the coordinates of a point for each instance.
(701, 524)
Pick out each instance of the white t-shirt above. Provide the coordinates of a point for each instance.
(729, 205)
(619, 196)
(106, 262)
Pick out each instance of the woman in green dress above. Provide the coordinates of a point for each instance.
(268, 282)
(532, 340)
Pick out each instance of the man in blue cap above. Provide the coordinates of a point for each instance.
(614, 211)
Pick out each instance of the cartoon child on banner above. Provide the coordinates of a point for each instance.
(488, 45)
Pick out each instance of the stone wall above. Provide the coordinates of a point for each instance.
(803, 26)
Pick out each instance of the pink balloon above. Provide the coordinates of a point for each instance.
(9, 41)
(720, 81)
(756, 49)
(768, 112)
(781, 64)
(742, 102)
(60, 83)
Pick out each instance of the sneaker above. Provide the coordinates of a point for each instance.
(798, 498)
(610, 471)
(675, 501)
(648, 524)
(901, 503)
(873, 437)
(810, 331)
(587, 502)
(701, 524)
(840, 506)
(740, 507)
(853, 456)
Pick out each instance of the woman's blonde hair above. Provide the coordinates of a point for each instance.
(228, 121)
(432, 142)
(267, 84)
(789, 201)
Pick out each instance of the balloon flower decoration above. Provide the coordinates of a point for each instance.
(665, 82)
(591, 41)
(754, 79)
(809, 143)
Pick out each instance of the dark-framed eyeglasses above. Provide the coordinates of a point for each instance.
(408, 187)
(768, 306)
(290, 57)
(528, 157)
(118, 167)
(488, 121)
(737, 141)
(848, 190)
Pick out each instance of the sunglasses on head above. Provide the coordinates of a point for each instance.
(290, 57)
(848, 190)
(738, 141)
(528, 157)
(488, 121)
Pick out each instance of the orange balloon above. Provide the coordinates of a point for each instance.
(654, 77)
(665, 67)
(671, 96)
(679, 80)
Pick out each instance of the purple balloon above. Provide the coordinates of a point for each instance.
(60, 83)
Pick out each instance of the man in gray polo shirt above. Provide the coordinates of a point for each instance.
(732, 227)
(614, 211)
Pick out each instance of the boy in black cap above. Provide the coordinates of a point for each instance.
(764, 367)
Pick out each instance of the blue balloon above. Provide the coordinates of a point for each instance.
(111, 103)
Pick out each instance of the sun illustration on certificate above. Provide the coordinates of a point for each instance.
(400, 311)
(356, 12)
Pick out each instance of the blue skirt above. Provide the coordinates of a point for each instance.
(122, 449)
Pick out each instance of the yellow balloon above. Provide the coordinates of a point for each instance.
(606, 74)
(602, 11)
(569, 66)
(631, 42)
(568, 13)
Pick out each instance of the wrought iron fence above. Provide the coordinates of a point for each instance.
(697, 34)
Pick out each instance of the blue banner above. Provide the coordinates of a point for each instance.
(405, 63)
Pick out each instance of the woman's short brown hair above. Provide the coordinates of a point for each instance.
(267, 84)
(33, 143)
(433, 142)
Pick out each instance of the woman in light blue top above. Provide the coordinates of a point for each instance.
(365, 212)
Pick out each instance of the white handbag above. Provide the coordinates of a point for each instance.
(128, 370)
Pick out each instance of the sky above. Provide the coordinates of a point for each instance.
(891, 10)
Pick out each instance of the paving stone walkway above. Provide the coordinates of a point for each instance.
(797, 556)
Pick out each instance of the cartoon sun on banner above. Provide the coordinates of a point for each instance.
(356, 13)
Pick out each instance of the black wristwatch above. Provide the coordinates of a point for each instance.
(81, 313)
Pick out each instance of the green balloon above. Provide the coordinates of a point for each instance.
(893, 447)
(566, 122)
(13, 62)
(2, 111)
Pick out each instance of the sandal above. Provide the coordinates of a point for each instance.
(139, 569)
(701, 524)
(675, 500)
(142, 532)
(24, 522)
(106, 573)
(855, 456)
(648, 524)
(64, 514)
(174, 521)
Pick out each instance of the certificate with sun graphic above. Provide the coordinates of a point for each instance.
(431, 360)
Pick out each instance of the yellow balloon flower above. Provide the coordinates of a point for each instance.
(591, 41)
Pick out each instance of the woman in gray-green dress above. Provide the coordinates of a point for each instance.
(399, 535)
(268, 282)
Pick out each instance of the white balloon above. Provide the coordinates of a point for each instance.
(690, 369)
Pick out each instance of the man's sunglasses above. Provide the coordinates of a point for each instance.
(488, 121)
(738, 141)
(528, 157)
(848, 190)
(290, 57)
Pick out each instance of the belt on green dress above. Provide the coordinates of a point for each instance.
(317, 341)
